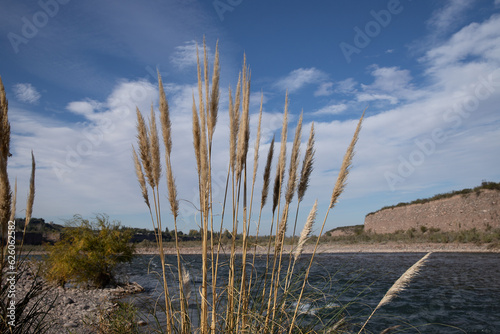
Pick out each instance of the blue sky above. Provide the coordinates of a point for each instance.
(428, 71)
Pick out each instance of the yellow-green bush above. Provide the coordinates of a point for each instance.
(89, 251)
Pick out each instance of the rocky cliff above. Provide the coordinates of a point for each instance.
(480, 210)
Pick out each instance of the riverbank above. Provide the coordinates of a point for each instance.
(332, 247)
(71, 309)
(388, 247)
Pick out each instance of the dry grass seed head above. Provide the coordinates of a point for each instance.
(307, 166)
(4, 123)
(172, 192)
(155, 147)
(214, 96)
(144, 148)
(140, 177)
(5, 191)
(196, 137)
(244, 129)
(280, 237)
(186, 286)
(267, 174)
(403, 281)
(346, 164)
(205, 79)
(306, 231)
(237, 101)
(203, 132)
(294, 163)
(257, 141)
(280, 168)
(165, 117)
(14, 201)
(31, 192)
(233, 132)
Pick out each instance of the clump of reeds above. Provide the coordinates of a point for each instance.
(243, 301)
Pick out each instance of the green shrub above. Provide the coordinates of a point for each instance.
(89, 251)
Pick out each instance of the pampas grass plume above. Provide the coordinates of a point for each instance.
(399, 286)
(140, 177)
(14, 200)
(155, 147)
(280, 168)
(267, 174)
(306, 231)
(346, 164)
(307, 166)
(144, 148)
(31, 192)
(294, 163)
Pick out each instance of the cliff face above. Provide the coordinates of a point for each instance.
(460, 212)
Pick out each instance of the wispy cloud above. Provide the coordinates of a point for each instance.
(347, 86)
(389, 79)
(26, 93)
(324, 89)
(332, 109)
(449, 16)
(475, 40)
(390, 83)
(365, 97)
(185, 55)
(299, 78)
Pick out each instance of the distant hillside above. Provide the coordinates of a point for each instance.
(484, 185)
(345, 231)
(477, 208)
(37, 225)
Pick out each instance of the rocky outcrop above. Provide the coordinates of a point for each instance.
(480, 210)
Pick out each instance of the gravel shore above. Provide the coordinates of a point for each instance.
(70, 309)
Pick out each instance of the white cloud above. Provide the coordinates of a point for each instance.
(346, 86)
(324, 89)
(365, 97)
(479, 40)
(332, 109)
(185, 55)
(299, 78)
(26, 93)
(449, 15)
(389, 79)
(390, 83)
(84, 108)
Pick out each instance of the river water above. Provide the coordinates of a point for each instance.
(453, 293)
